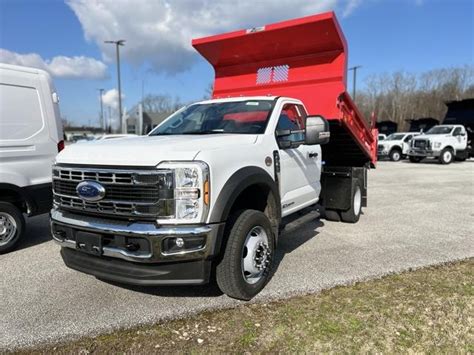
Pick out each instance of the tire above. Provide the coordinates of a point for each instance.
(395, 155)
(446, 156)
(236, 274)
(415, 159)
(12, 226)
(332, 215)
(352, 215)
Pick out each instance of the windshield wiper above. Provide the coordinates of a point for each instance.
(214, 131)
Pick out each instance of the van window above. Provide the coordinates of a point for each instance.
(20, 112)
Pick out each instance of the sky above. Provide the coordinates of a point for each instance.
(66, 38)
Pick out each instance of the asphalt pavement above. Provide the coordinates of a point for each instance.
(418, 215)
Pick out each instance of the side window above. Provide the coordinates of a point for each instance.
(408, 138)
(457, 131)
(292, 117)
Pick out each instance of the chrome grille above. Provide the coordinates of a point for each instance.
(137, 193)
(421, 143)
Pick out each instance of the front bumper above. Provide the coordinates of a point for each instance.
(147, 263)
(416, 152)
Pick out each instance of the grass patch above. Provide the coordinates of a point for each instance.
(428, 310)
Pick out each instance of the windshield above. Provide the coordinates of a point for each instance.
(440, 130)
(242, 117)
(395, 137)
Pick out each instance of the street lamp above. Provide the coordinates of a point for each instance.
(118, 43)
(354, 78)
(101, 93)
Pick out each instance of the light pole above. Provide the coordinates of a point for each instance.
(354, 78)
(118, 43)
(101, 93)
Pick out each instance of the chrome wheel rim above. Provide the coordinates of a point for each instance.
(255, 255)
(8, 228)
(396, 156)
(447, 156)
(357, 201)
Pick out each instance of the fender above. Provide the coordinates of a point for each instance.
(38, 198)
(237, 183)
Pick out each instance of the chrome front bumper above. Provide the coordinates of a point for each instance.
(414, 152)
(65, 226)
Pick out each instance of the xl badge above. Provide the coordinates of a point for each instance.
(90, 191)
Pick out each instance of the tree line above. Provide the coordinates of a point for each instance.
(400, 96)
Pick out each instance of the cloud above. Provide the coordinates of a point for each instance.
(159, 33)
(110, 98)
(61, 67)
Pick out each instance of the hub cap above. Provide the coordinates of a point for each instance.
(7, 228)
(357, 201)
(255, 255)
(447, 156)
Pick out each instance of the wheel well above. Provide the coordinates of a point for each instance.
(449, 147)
(258, 197)
(396, 148)
(13, 197)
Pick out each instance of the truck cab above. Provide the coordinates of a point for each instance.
(444, 142)
(396, 145)
(208, 191)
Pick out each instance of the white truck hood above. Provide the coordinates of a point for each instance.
(432, 136)
(149, 150)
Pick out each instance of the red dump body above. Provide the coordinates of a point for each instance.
(305, 59)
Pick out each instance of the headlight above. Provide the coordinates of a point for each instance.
(437, 145)
(189, 202)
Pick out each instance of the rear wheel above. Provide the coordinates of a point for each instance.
(416, 159)
(12, 226)
(352, 215)
(245, 267)
(395, 155)
(446, 156)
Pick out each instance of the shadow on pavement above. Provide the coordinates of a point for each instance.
(37, 232)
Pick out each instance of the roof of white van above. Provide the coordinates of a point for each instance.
(22, 68)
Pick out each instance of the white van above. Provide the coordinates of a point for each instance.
(31, 136)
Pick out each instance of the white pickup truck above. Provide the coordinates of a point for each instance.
(396, 145)
(445, 142)
(208, 191)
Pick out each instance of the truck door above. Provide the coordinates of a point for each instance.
(460, 138)
(300, 168)
(406, 143)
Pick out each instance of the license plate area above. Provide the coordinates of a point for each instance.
(90, 243)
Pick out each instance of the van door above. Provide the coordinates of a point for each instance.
(300, 167)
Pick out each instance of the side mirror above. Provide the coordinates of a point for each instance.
(317, 130)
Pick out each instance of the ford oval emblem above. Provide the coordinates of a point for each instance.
(90, 191)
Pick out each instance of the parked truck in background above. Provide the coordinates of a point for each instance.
(444, 142)
(208, 190)
(395, 146)
(31, 135)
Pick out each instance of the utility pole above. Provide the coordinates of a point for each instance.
(101, 93)
(354, 79)
(120, 42)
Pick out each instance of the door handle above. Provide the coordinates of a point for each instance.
(313, 155)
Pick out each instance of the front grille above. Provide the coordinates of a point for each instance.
(140, 193)
(421, 143)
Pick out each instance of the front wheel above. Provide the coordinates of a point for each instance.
(446, 156)
(247, 262)
(12, 226)
(395, 155)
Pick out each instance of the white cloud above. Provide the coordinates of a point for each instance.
(110, 98)
(61, 67)
(159, 33)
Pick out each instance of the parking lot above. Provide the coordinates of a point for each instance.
(418, 215)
